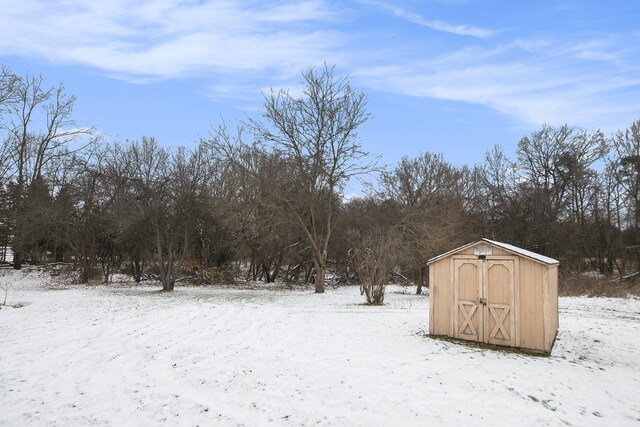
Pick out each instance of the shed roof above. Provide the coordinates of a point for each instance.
(510, 248)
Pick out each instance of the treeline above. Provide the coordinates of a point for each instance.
(266, 200)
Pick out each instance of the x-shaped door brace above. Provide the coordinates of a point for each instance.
(499, 322)
(468, 315)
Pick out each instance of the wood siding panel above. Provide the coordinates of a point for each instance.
(525, 309)
(432, 300)
(539, 271)
(531, 305)
(553, 304)
(439, 297)
(531, 326)
(446, 294)
(545, 308)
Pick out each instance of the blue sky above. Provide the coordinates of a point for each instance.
(449, 76)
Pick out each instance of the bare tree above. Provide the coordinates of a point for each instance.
(318, 131)
(626, 146)
(7, 99)
(316, 134)
(262, 226)
(40, 131)
(153, 177)
(608, 220)
(428, 195)
(507, 213)
(7, 83)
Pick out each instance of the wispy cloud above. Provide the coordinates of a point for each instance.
(171, 39)
(459, 29)
(240, 47)
(553, 87)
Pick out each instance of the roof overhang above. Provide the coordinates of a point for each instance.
(507, 247)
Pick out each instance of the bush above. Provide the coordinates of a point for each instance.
(373, 258)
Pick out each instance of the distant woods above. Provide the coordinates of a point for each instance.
(266, 200)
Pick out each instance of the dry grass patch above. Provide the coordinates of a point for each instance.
(577, 285)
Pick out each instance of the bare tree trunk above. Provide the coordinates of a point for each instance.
(138, 268)
(308, 273)
(320, 273)
(17, 258)
(277, 266)
(420, 280)
(166, 270)
(168, 279)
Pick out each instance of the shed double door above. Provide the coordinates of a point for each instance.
(484, 300)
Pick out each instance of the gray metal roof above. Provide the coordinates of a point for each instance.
(514, 249)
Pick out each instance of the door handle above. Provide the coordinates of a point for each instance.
(482, 301)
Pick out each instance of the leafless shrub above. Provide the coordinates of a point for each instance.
(373, 258)
(5, 285)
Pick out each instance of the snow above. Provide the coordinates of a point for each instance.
(130, 355)
(524, 252)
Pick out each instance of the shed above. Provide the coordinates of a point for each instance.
(495, 293)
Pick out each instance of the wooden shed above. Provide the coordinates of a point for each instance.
(494, 293)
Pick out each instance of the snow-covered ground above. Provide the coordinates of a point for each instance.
(205, 356)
